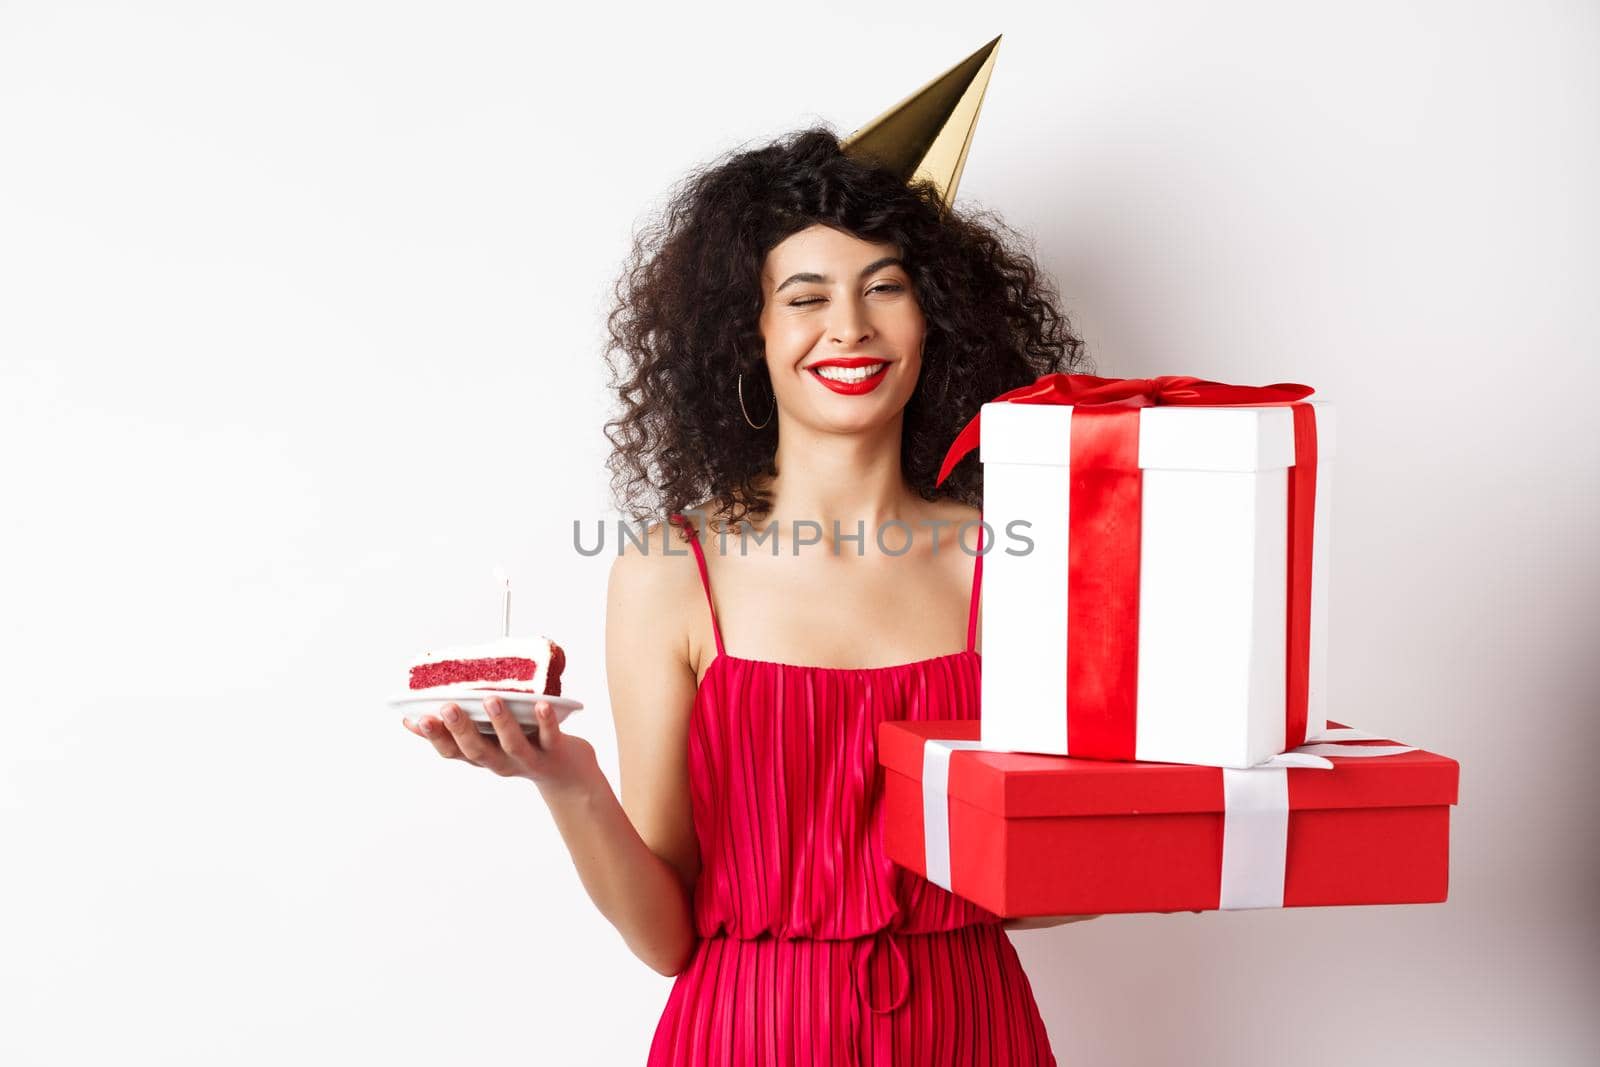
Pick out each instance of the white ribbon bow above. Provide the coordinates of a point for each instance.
(1255, 829)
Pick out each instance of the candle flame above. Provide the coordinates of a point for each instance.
(501, 576)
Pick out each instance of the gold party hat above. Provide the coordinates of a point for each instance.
(925, 136)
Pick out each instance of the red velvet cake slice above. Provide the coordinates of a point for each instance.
(509, 664)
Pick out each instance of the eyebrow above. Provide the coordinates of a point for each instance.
(871, 268)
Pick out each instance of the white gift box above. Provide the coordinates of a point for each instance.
(1212, 583)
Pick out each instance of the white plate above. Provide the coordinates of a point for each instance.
(471, 701)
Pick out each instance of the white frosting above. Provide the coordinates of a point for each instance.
(534, 648)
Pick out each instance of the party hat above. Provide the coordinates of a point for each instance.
(925, 136)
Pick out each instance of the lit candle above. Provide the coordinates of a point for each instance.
(505, 602)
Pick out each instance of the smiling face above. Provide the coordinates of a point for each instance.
(842, 327)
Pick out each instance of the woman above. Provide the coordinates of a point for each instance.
(745, 855)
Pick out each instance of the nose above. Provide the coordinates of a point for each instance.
(849, 324)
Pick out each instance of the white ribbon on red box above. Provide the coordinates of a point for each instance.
(936, 805)
(1255, 823)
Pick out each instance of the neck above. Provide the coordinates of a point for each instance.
(843, 478)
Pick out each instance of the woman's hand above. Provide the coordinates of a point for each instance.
(558, 762)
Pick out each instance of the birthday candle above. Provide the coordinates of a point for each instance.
(505, 602)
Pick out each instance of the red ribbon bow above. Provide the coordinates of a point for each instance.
(1086, 390)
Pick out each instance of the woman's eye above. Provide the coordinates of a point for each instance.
(887, 287)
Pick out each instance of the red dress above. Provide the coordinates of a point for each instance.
(815, 949)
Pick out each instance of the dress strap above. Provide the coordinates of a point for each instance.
(705, 578)
(977, 584)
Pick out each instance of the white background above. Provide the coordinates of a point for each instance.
(300, 319)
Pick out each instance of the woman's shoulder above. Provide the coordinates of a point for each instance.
(651, 591)
(958, 514)
(653, 557)
(962, 512)
(647, 562)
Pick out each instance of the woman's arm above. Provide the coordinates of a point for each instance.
(637, 857)
(1039, 923)
(635, 889)
(1042, 921)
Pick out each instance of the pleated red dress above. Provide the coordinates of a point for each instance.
(815, 949)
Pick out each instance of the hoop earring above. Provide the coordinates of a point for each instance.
(747, 413)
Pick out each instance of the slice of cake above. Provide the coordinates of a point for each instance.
(510, 664)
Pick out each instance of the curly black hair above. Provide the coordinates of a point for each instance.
(689, 302)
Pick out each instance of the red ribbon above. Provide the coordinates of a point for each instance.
(1106, 508)
(1085, 390)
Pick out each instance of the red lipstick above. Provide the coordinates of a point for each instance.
(866, 385)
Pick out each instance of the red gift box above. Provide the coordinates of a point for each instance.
(1059, 835)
